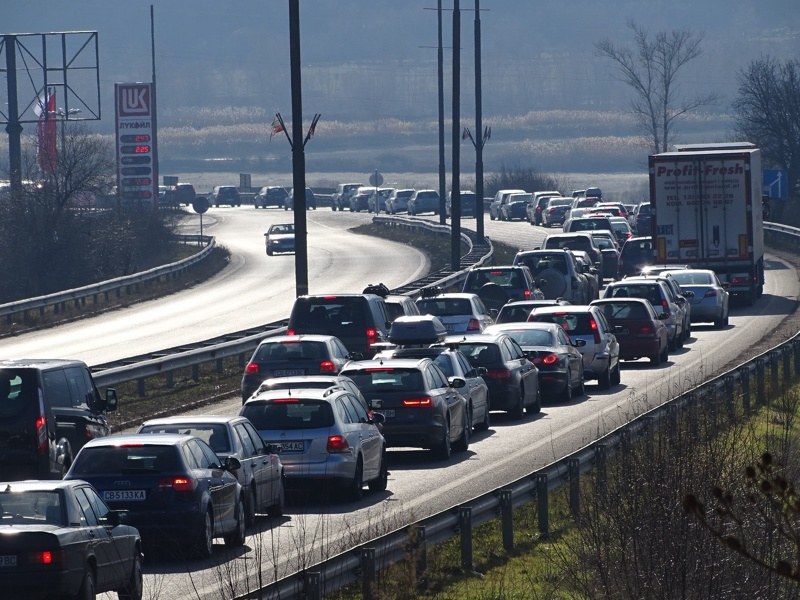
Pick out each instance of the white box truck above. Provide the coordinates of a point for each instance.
(706, 212)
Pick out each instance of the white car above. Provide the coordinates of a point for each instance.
(279, 238)
(460, 313)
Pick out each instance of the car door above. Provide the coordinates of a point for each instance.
(99, 541)
(371, 442)
(574, 358)
(254, 465)
(221, 489)
(454, 402)
(272, 472)
(609, 339)
(528, 374)
(478, 390)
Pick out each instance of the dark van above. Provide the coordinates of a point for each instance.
(358, 320)
(48, 410)
(636, 253)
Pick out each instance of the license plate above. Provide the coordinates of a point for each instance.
(9, 560)
(123, 495)
(623, 331)
(449, 327)
(288, 372)
(292, 446)
(387, 414)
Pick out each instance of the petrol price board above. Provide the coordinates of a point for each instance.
(137, 175)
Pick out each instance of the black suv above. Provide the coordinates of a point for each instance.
(225, 194)
(273, 195)
(636, 253)
(497, 285)
(48, 410)
(358, 320)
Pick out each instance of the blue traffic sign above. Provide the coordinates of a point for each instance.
(776, 183)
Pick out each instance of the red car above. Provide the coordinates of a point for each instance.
(638, 329)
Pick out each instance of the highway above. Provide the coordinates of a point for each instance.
(257, 289)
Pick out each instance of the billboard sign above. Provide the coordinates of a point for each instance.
(137, 176)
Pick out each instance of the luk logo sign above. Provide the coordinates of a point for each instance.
(133, 100)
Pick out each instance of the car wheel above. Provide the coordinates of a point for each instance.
(277, 509)
(443, 450)
(655, 359)
(688, 331)
(579, 390)
(205, 542)
(379, 484)
(487, 421)
(517, 411)
(665, 354)
(604, 381)
(679, 341)
(536, 407)
(236, 537)
(355, 491)
(566, 395)
(462, 444)
(616, 375)
(491, 216)
(87, 591)
(269, 252)
(134, 589)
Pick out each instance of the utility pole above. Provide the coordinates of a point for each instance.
(478, 127)
(298, 154)
(455, 188)
(440, 62)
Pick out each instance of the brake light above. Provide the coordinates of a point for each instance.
(327, 366)
(738, 280)
(290, 332)
(285, 401)
(548, 359)
(372, 335)
(379, 370)
(498, 374)
(710, 294)
(665, 305)
(595, 331)
(337, 443)
(178, 484)
(527, 294)
(424, 401)
(646, 330)
(41, 436)
(473, 325)
(46, 557)
(251, 369)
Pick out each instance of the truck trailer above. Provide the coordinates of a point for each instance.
(706, 212)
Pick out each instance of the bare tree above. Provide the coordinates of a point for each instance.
(651, 69)
(768, 112)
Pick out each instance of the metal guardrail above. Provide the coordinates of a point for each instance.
(749, 381)
(163, 363)
(79, 295)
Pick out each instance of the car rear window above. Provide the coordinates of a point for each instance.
(31, 507)
(215, 435)
(387, 379)
(289, 413)
(445, 307)
(571, 323)
(480, 354)
(576, 243)
(509, 278)
(693, 278)
(330, 315)
(128, 458)
(615, 311)
(289, 350)
(651, 292)
(538, 263)
(531, 337)
(511, 314)
(17, 391)
(637, 248)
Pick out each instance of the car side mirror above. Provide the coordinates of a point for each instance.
(272, 448)
(111, 400)
(457, 382)
(232, 464)
(378, 418)
(726, 285)
(688, 294)
(355, 356)
(482, 371)
(579, 343)
(680, 300)
(115, 517)
(493, 312)
(663, 316)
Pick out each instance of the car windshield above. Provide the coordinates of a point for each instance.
(445, 307)
(215, 435)
(126, 459)
(690, 278)
(288, 228)
(31, 506)
(289, 413)
(387, 379)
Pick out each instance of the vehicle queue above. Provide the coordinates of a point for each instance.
(427, 379)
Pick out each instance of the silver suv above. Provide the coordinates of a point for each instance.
(556, 274)
(588, 323)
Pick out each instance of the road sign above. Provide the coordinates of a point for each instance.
(376, 179)
(775, 183)
(200, 204)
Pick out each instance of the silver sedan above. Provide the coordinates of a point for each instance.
(710, 301)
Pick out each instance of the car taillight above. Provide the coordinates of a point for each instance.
(473, 325)
(595, 331)
(327, 366)
(547, 359)
(251, 369)
(424, 401)
(46, 557)
(665, 305)
(646, 330)
(498, 374)
(41, 435)
(178, 484)
(527, 294)
(291, 332)
(372, 335)
(738, 280)
(552, 211)
(710, 294)
(337, 443)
